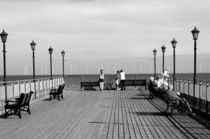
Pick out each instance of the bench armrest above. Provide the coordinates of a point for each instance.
(54, 89)
(10, 101)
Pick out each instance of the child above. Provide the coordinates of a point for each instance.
(117, 84)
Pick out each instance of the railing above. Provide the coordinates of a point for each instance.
(200, 100)
(40, 87)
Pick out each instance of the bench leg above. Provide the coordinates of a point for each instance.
(172, 108)
(5, 113)
(168, 105)
(29, 112)
(19, 113)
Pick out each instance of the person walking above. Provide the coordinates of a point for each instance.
(101, 79)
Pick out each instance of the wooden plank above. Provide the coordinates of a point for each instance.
(106, 115)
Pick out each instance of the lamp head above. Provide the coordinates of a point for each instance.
(50, 50)
(33, 45)
(154, 51)
(195, 33)
(163, 48)
(3, 36)
(63, 53)
(174, 42)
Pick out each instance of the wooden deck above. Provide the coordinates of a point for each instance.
(102, 115)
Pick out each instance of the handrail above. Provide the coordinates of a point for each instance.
(40, 86)
(199, 100)
(27, 80)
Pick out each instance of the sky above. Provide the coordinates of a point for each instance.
(96, 32)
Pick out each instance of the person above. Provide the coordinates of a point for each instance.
(170, 93)
(151, 80)
(163, 81)
(158, 82)
(155, 86)
(101, 79)
(175, 95)
(117, 84)
(122, 80)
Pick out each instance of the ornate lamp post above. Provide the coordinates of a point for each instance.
(63, 54)
(154, 52)
(195, 33)
(163, 50)
(174, 42)
(33, 45)
(4, 39)
(50, 52)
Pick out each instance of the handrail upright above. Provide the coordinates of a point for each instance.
(29, 84)
(24, 86)
(13, 90)
(207, 103)
(188, 91)
(19, 86)
(200, 89)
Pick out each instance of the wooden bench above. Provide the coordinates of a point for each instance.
(89, 84)
(26, 104)
(57, 93)
(139, 82)
(19, 104)
(180, 104)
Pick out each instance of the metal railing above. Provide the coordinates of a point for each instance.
(40, 87)
(199, 100)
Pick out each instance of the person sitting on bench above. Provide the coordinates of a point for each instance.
(155, 83)
(176, 95)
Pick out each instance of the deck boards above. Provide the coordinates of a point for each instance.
(101, 115)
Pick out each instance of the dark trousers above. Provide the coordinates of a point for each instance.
(122, 84)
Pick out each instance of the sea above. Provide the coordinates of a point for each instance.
(76, 79)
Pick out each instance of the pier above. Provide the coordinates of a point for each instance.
(103, 114)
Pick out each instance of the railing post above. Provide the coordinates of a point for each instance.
(19, 86)
(25, 86)
(188, 91)
(42, 87)
(207, 103)
(45, 89)
(56, 82)
(185, 88)
(39, 88)
(13, 90)
(200, 83)
(29, 85)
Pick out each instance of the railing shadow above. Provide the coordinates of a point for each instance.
(151, 113)
(189, 126)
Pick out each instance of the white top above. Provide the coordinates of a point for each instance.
(117, 82)
(101, 76)
(158, 83)
(122, 75)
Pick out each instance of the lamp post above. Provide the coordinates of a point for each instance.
(174, 42)
(195, 33)
(50, 52)
(63, 54)
(163, 50)
(33, 45)
(154, 52)
(4, 39)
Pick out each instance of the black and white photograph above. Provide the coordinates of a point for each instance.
(104, 69)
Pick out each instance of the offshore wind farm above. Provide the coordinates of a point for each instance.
(104, 69)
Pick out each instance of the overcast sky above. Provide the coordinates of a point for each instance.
(99, 29)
